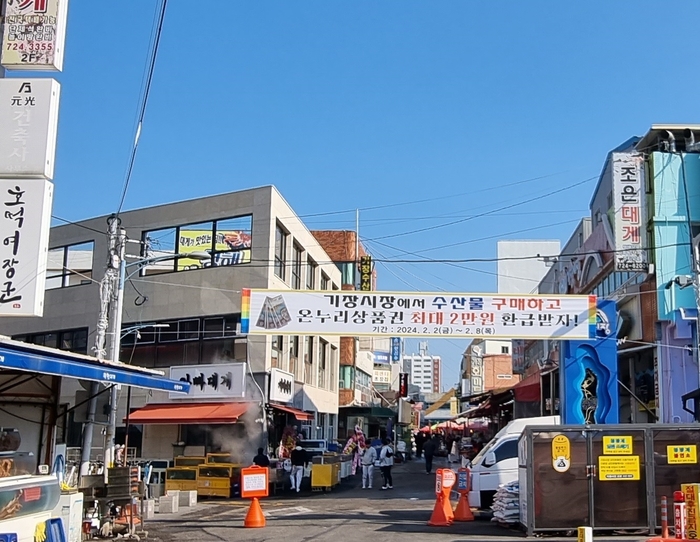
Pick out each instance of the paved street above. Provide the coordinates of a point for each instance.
(347, 512)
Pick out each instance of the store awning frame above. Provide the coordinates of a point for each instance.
(19, 356)
(300, 415)
(189, 413)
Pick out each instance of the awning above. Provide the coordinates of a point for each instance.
(528, 390)
(189, 413)
(298, 414)
(19, 356)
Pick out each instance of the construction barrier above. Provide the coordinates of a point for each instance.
(462, 511)
(254, 484)
(443, 515)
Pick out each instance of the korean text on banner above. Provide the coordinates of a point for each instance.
(388, 314)
(28, 127)
(34, 34)
(221, 380)
(25, 224)
(629, 223)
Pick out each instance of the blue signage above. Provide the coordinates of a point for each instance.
(381, 358)
(77, 368)
(462, 480)
(589, 373)
(396, 349)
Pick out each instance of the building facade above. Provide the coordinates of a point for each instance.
(182, 314)
(487, 366)
(425, 370)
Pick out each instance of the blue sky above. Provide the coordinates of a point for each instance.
(424, 109)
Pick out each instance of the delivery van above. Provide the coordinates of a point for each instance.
(497, 462)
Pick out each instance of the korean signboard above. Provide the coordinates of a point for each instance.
(26, 220)
(34, 34)
(281, 386)
(231, 248)
(381, 358)
(225, 380)
(477, 374)
(28, 126)
(684, 454)
(629, 223)
(396, 349)
(387, 314)
(366, 273)
(617, 445)
(518, 356)
(618, 468)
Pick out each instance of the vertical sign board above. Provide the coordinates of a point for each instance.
(366, 273)
(28, 127)
(477, 374)
(396, 349)
(629, 222)
(691, 492)
(34, 34)
(518, 356)
(25, 222)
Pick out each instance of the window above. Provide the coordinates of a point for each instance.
(321, 425)
(507, 450)
(74, 340)
(220, 326)
(325, 281)
(331, 426)
(322, 353)
(180, 330)
(216, 243)
(280, 252)
(309, 361)
(311, 274)
(276, 355)
(334, 364)
(347, 272)
(296, 266)
(293, 354)
(505, 350)
(347, 377)
(69, 266)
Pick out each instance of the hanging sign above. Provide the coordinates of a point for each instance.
(629, 221)
(561, 453)
(366, 273)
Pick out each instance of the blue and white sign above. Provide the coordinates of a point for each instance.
(381, 358)
(396, 349)
(462, 480)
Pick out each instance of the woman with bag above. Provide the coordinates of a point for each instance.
(386, 461)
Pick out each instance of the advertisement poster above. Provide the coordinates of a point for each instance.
(387, 314)
(231, 248)
(34, 34)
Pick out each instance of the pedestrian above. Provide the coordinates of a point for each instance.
(420, 441)
(369, 456)
(261, 460)
(299, 461)
(429, 449)
(386, 461)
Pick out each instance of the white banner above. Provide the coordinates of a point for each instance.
(629, 222)
(224, 380)
(34, 34)
(388, 314)
(25, 222)
(281, 386)
(28, 126)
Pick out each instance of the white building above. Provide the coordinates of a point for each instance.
(425, 370)
(520, 270)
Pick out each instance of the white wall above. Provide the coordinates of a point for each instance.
(523, 275)
(364, 361)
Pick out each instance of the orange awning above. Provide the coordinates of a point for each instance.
(189, 413)
(298, 414)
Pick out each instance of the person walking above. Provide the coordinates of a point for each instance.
(299, 461)
(386, 461)
(369, 456)
(429, 449)
(261, 460)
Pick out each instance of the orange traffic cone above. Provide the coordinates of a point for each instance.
(440, 516)
(462, 510)
(255, 516)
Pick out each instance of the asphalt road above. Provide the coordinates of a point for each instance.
(345, 513)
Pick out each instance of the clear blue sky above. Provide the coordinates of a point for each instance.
(346, 105)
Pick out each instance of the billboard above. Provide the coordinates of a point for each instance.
(223, 381)
(229, 247)
(28, 127)
(589, 373)
(388, 314)
(381, 358)
(629, 222)
(24, 228)
(34, 34)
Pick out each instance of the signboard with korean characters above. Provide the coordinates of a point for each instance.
(34, 34)
(306, 312)
(629, 221)
(281, 386)
(28, 126)
(25, 222)
(223, 381)
(366, 273)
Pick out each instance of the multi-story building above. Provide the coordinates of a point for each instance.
(424, 369)
(487, 366)
(182, 314)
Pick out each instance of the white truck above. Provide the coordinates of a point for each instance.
(497, 462)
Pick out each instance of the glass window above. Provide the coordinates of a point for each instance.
(322, 353)
(309, 361)
(311, 274)
(504, 349)
(296, 266)
(69, 265)
(321, 426)
(233, 241)
(294, 355)
(334, 364)
(280, 252)
(347, 272)
(195, 238)
(325, 281)
(347, 377)
(180, 330)
(276, 355)
(75, 341)
(228, 350)
(507, 450)
(159, 244)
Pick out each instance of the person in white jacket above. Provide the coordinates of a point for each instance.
(369, 456)
(386, 461)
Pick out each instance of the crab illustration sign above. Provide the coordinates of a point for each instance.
(391, 314)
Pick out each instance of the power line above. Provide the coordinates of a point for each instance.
(78, 224)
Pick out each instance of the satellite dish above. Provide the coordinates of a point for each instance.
(477, 350)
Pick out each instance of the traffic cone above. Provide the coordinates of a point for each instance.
(462, 511)
(440, 517)
(255, 516)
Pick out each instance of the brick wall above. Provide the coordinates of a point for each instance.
(498, 365)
